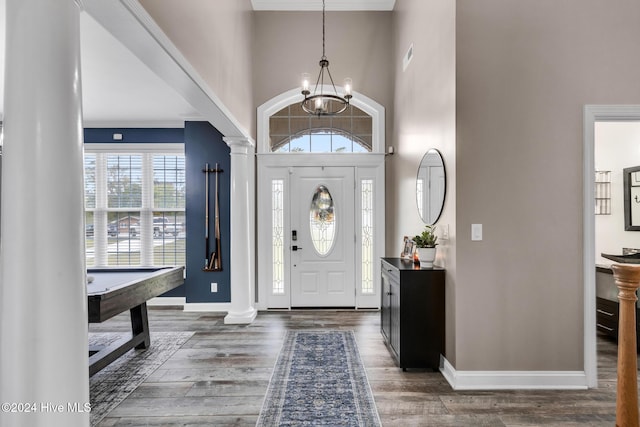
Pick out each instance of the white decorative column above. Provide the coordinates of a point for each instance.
(43, 301)
(242, 310)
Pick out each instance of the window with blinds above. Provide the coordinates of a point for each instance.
(134, 208)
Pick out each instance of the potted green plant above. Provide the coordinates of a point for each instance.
(426, 243)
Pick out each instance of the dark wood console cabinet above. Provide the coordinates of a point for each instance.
(413, 313)
(607, 305)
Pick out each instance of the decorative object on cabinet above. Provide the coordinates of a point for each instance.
(413, 313)
(632, 258)
(426, 245)
(603, 192)
(408, 248)
(431, 187)
(631, 178)
(427, 257)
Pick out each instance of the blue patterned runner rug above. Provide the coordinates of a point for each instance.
(319, 380)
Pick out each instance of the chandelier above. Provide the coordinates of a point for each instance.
(320, 103)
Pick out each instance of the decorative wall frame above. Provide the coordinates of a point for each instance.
(603, 192)
(631, 177)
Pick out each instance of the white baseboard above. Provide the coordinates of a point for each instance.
(219, 307)
(512, 380)
(214, 307)
(166, 301)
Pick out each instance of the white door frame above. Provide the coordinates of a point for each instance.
(593, 114)
(277, 167)
(368, 166)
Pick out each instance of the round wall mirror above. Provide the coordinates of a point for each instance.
(431, 185)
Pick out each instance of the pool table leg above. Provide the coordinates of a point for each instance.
(140, 324)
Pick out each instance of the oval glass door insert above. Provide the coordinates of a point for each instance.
(322, 220)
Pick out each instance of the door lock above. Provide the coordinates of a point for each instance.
(294, 235)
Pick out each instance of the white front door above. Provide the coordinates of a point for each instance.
(322, 237)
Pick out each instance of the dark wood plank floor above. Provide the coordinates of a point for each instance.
(220, 376)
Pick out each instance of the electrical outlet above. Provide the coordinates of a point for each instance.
(214, 287)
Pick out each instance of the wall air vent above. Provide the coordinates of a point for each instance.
(407, 58)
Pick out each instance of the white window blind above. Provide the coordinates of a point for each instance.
(134, 207)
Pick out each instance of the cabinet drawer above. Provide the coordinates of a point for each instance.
(391, 271)
(606, 310)
(604, 315)
(607, 316)
(607, 329)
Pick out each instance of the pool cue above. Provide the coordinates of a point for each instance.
(206, 215)
(217, 263)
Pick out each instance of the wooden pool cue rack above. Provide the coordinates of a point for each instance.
(213, 259)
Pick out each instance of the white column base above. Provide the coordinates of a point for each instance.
(241, 318)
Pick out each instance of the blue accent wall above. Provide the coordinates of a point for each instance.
(204, 144)
(134, 135)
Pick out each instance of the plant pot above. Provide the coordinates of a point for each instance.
(427, 256)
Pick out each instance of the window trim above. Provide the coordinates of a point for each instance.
(363, 102)
(146, 210)
(129, 148)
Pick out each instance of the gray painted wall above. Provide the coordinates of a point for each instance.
(524, 72)
(424, 105)
(215, 37)
(358, 45)
(509, 127)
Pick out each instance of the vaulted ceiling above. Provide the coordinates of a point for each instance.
(120, 90)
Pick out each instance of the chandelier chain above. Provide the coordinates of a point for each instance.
(323, 54)
(320, 103)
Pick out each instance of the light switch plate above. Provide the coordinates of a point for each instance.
(445, 232)
(476, 232)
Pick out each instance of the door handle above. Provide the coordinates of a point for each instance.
(295, 248)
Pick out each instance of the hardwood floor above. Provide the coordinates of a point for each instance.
(220, 376)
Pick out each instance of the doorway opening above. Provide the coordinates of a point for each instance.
(600, 123)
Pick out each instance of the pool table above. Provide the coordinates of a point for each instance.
(112, 291)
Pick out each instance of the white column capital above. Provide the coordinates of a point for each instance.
(238, 144)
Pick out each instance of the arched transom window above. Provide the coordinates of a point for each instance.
(291, 130)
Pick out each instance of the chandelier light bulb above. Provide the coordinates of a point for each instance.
(305, 81)
(347, 86)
